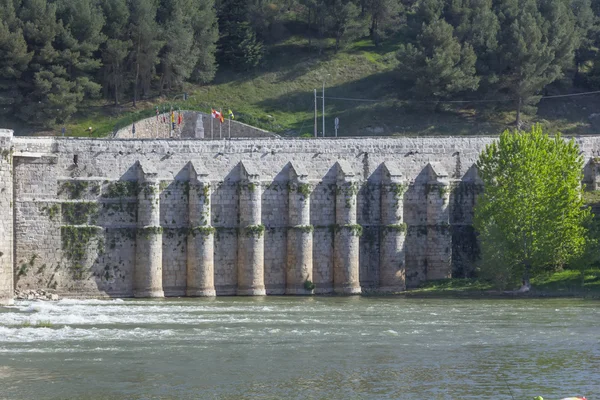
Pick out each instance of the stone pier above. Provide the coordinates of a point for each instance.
(251, 241)
(200, 239)
(148, 280)
(347, 233)
(439, 237)
(392, 272)
(6, 218)
(299, 271)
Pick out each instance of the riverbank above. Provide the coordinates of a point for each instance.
(565, 283)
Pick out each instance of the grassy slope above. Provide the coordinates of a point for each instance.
(279, 97)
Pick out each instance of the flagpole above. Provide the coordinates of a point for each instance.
(315, 112)
(211, 125)
(229, 127)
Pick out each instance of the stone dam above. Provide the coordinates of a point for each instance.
(153, 218)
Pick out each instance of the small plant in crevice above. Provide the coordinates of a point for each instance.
(309, 286)
(254, 230)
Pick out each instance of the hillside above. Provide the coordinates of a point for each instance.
(279, 97)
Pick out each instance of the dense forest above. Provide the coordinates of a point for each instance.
(56, 54)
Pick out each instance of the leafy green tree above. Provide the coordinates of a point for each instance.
(530, 217)
(437, 65)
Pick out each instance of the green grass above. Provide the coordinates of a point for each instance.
(278, 96)
(565, 282)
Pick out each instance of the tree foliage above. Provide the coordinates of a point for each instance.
(56, 54)
(531, 215)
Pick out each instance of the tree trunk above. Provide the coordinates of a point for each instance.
(519, 102)
(137, 72)
(526, 273)
(309, 32)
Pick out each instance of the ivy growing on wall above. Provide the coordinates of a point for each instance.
(355, 229)
(80, 213)
(74, 189)
(51, 211)
(303, 228)
(120, 189)
(75, 242)
(398, 228)
(202, 230)
(254, 230)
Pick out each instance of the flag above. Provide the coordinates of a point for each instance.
(231, 114)
(179, 118)
(216, 114)
(172, 117)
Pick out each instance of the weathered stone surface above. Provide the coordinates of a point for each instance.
(87, 224)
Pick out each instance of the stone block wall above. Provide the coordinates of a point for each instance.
(250, 217)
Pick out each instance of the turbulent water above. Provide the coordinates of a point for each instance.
(300, 347)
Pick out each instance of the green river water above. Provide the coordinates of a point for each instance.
(301, 348)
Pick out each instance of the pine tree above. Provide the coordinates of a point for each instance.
(437, 65)
(179, 55)
(206, 35)
(475, 22)
(385, 15)
(344, 21)
(79, 41)
(145, 35)
(116, 48)
(49, 96)
(239, 46)
(536, 45)
(14, 58)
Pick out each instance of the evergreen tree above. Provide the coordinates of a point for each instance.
(145, 35)
(475, 22)
(239, 46)
(14, 58)
(179, 55)
(536, 45)
(587, 31)
(116, 48)
(206, 35)
(437, 65)
(344, 21)
(79, 40)
(385, 16)
(49, 95)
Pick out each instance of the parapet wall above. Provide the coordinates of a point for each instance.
(194, 125)
(96, 217)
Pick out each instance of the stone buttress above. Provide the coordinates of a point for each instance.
(251, 241)
(392, 269)
(6, 218)
(200, 239)
(439, 237)
(347, 232)
(299, 271)
(148, 280)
